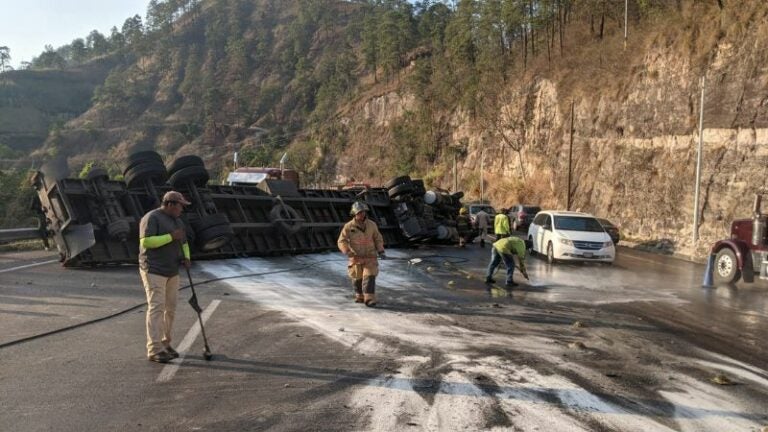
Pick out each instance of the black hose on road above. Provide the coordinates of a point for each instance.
(132, 308)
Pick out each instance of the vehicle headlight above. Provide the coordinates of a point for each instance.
(607, 244)
(566, 242)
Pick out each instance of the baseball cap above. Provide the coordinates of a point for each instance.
(174, 196)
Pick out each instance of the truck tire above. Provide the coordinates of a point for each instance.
(214, 237)
(286, 219)
(140, 158)
(209, 221)
(198, 175)
(726, 269)
(148, 171)
(405, 188)
(184, 162)
(397, 181)
(96, 173)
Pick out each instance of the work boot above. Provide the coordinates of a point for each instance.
(490, 281)
(172, 352)
(161, 357)
(359, 298)
(511, 284)
(370, 300)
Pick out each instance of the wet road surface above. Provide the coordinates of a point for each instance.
(634, 346)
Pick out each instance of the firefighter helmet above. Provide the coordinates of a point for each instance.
(358, 207)
(463, 211)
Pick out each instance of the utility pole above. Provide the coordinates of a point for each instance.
(482, 183)
(455, 175)
(626, 12)
(570, 162)
(698, 169)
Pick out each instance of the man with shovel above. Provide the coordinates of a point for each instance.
(161, 231)
(504, 250)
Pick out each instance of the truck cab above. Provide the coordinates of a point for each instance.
(745, 253)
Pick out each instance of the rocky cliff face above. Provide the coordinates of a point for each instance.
(635, 131)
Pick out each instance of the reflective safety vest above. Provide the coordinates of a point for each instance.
(501, 224)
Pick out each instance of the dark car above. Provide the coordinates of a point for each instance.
(521, 215)
(611, 229)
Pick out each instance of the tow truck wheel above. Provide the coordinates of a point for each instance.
(726, 267)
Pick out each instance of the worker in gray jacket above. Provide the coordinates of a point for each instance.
(162, 245)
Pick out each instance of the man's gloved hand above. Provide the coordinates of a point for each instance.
(382, 255)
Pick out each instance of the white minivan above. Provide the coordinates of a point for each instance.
(570, 236)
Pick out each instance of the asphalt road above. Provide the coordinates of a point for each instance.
(634, 346)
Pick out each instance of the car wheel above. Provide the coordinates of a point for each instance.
(550, 253)
(532, 250)
(726, 267)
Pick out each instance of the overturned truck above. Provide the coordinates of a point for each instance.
(95, 220)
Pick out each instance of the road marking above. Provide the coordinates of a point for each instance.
(652, 261)
(170, 369)
(28, 266)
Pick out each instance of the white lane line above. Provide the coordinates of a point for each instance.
(28, 266)
(635, 257)
(170, 369)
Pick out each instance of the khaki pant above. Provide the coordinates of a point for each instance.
(162, 293)
(364, 279)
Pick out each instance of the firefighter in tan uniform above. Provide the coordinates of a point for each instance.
(362, 242)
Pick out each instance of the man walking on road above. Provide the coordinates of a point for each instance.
(361, 241)
(504, 250)
(162, 241)
(481, 220)
(501, 224)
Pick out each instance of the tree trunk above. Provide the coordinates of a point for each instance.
(602, 24)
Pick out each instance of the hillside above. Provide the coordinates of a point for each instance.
(368, 90)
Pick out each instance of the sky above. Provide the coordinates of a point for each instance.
(26, 26)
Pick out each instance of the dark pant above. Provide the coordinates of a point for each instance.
(365, 285)
(496, 258)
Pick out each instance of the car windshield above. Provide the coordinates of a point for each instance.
(606, 223)
(576, 223)
(487, 209)
(531, 209)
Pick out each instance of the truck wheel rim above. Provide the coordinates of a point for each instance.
(724, 265)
